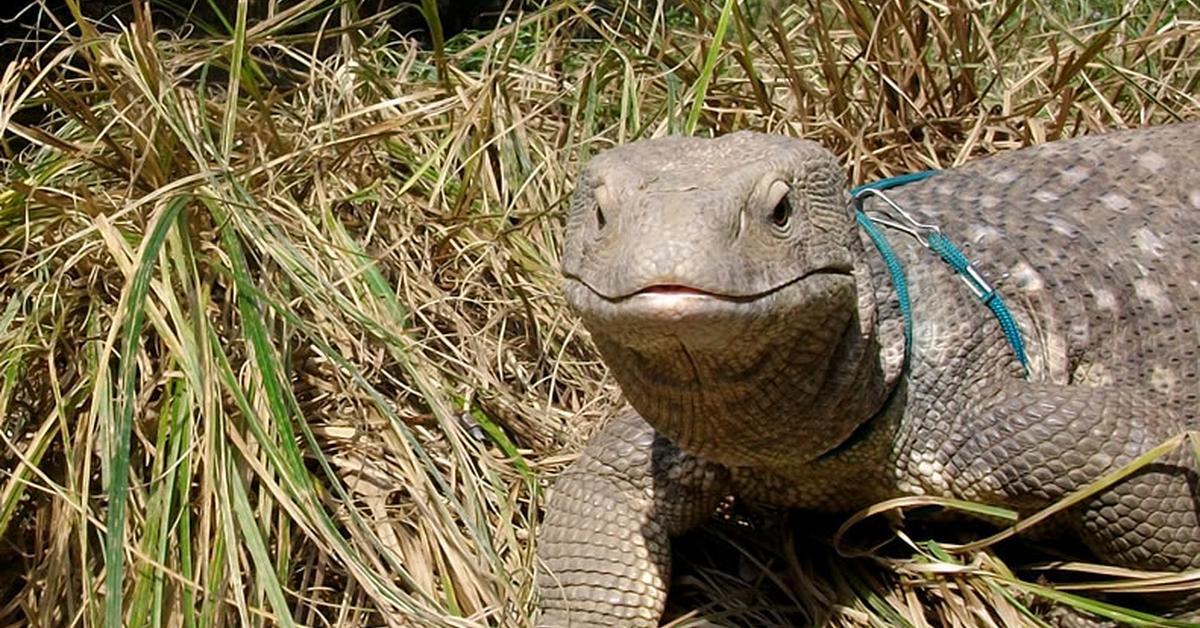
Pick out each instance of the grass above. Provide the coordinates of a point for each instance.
(280, 333)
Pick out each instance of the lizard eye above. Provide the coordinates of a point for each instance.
(781, 207)
(600, 219)
(782, 213)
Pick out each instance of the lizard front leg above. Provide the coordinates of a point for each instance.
(604, 548)
(1034, 444)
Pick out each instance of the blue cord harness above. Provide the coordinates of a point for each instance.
(929, 236)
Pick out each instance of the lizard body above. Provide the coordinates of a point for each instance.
(757, 336)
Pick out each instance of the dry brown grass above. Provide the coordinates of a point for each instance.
(282, 305)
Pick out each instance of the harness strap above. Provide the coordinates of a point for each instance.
(929, 236)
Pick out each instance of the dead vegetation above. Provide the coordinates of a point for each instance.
(280, 333)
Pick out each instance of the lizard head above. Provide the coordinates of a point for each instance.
(719, 279)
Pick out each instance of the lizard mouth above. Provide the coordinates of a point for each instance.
(703, 320)
(668, 289)
(673, 303)
(672, 291)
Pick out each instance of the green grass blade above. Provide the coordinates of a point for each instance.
(709, 69)
(252, 535)
(133, 308)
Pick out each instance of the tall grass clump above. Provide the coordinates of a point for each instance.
(280, 333)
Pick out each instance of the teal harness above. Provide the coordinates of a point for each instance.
(929, 236)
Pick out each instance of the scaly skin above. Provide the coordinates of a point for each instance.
(752, 326)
